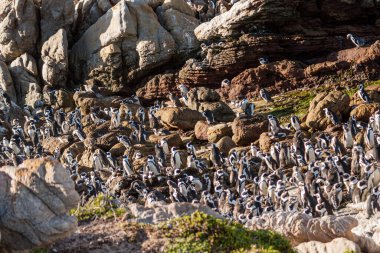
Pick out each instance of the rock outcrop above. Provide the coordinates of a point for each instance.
(337, 102)
(36, 198)
(18, 29)
(179, 118)
(247, 130)
(54, 55)
(25, 78)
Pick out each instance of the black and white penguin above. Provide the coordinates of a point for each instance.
(209, 116)
(215, 156)
(265, 95)
(225, 83)
(128, 169)
(331, 116)
(356, 40)
(263, 60)
(363, 94)
(175, 159)
(295, 122)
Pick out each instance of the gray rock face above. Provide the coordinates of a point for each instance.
(121, 35)
(6, 82)
(54, 55)
(18, 29)
(35, 199)
(55, 14)
(25, 77)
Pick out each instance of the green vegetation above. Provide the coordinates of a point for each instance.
(200, 232)
(349, 251)
(98, 207)
(39, 251)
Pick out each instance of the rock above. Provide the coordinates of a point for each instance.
(336, 245)
(299, 227)
(173, 140)
(221, 111)
(51, 143)
(18, 29)
(6, 82)
(335, 101)
(225, 144)
(55, 14)
(247, 130)
(86, 100)
(265, 142)
(162, 212)
(25, 77)
(373, 93)
(200, 130)
(130, 48)
(76, 149)
(364, 111)
(201, 94)
(117, 150)
(157, 87)
(65, 100)
(54, 55)
(275, 77)
(179, 118)
(34, 211)
(217, 132)
(178, 18)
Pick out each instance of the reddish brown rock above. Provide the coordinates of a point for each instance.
(363, 111)
(225, 144)
(200, 130)
(85, 100)
(217, 132)
(247, 130)
(179, 118)
(157, 87)
(173, 140)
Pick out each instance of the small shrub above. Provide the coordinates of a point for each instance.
(200, 232)
(98, 207)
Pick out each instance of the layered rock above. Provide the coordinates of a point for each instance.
(306, 36)
(36, 198)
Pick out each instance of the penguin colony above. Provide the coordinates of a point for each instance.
(314, 177)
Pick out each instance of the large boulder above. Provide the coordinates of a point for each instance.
(6, 82)
(128, 41)
(86, 100)
(55, 14)
(200, 130)
(336, 245)
(217, 132)
(18, 29)
(177, 17)
(364, 111)
(225, 144)
(300, 227)
(35, 200)
(220, 110)
(336, 101)
(248, 129)
(54, 55)
(25, 78)
(179, 118)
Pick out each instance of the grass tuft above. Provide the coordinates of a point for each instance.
(200, 232)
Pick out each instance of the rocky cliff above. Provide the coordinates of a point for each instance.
(151, 46)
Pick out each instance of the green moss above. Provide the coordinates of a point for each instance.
(349, 251)
(98, 207)
(200, 232)
(39, 251)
